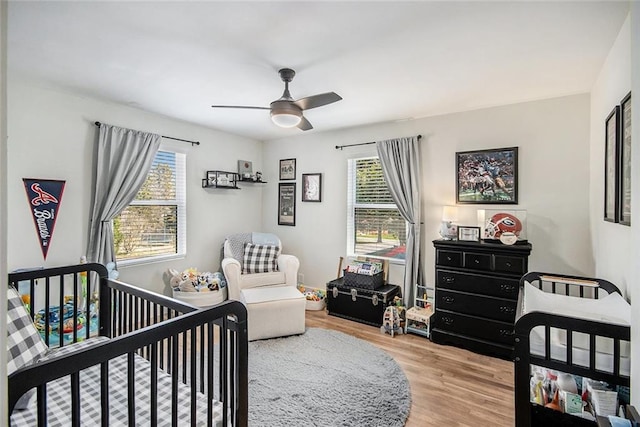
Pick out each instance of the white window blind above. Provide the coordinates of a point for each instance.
(154, 224)
(374, 225)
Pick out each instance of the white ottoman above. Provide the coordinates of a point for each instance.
(273, 311)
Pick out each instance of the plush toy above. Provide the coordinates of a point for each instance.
(181, 281)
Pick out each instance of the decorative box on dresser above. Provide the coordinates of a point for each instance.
(476, 294)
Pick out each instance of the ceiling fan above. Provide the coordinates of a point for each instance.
(287, 112)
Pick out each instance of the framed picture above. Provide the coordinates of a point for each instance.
(468, 234)
(287, 203)
(612, 124)
(487, 176)
(287, 169)
(624, 165)
(311, 187)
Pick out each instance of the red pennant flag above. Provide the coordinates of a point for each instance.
(44, 197)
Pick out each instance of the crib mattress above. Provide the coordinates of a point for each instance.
(59, 403)
(604, 360)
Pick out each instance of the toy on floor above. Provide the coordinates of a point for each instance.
(391, 321)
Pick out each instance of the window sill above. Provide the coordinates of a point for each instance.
(150, 260)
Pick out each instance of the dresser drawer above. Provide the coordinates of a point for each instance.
(449, 258)
(476, 261)
(477, 283)
(477, 305)
(476, 327)
(509, 264)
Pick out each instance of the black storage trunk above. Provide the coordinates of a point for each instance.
(362, 305)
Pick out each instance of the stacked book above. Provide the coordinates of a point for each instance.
(367, 268)
(603, 400)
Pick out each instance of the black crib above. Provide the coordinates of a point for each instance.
(198, 353)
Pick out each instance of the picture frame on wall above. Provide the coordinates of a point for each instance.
(487, 176)
(611, 179)
(287, 169)
(624, 163)
(311, 187)
(287, 203)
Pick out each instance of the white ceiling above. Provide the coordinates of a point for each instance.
(389, 60)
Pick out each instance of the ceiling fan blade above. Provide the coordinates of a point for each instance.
(240, 106)
(304, 124)
(317, 100)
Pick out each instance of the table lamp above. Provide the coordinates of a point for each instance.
(449, 230)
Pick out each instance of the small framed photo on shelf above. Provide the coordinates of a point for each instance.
(287, 203)
(287, 169)
(468, 234)
(311, 187)
(211, 178)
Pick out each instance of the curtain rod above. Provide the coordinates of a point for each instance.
(340, 147)
(169, 137)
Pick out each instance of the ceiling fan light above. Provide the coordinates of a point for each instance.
(286, 119)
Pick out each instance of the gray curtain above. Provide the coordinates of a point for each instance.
(122, 161)
(400, 160)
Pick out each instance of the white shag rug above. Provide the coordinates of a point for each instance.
(325, 378)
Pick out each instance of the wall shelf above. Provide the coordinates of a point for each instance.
(221, 179)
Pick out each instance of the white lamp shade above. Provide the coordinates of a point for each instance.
(449, 213)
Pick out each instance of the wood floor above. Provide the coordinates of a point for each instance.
(449, 386)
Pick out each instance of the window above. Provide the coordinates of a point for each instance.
(153, 225)
(374, 226)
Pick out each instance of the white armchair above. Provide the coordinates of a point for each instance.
(275, 307)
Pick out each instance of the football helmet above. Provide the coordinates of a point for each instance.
(502, 222)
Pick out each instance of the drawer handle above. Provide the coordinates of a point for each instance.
(448, 258)
(507, 332)
(448, 279)
(448, 299)
(508, 264)
(447, 321)
(506, 309)
(477, 261)
(507, 288)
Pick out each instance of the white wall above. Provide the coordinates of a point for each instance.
(611, 242)
(553, 140)
(52, 135)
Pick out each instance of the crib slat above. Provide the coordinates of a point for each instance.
(224, 361)
(61, 310)
(174, 381)
(569, 347)
(194, 381)
(104, 393)
(210, 389)
(592, 352)
(47, 305)
(42, 405)
(131, 389)
(616, 356)
(75, 399)
(232, 367)
(153, 384)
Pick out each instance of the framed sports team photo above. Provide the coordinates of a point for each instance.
(487, 176)
(311, 187)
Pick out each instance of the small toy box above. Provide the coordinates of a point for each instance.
(316, 298)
